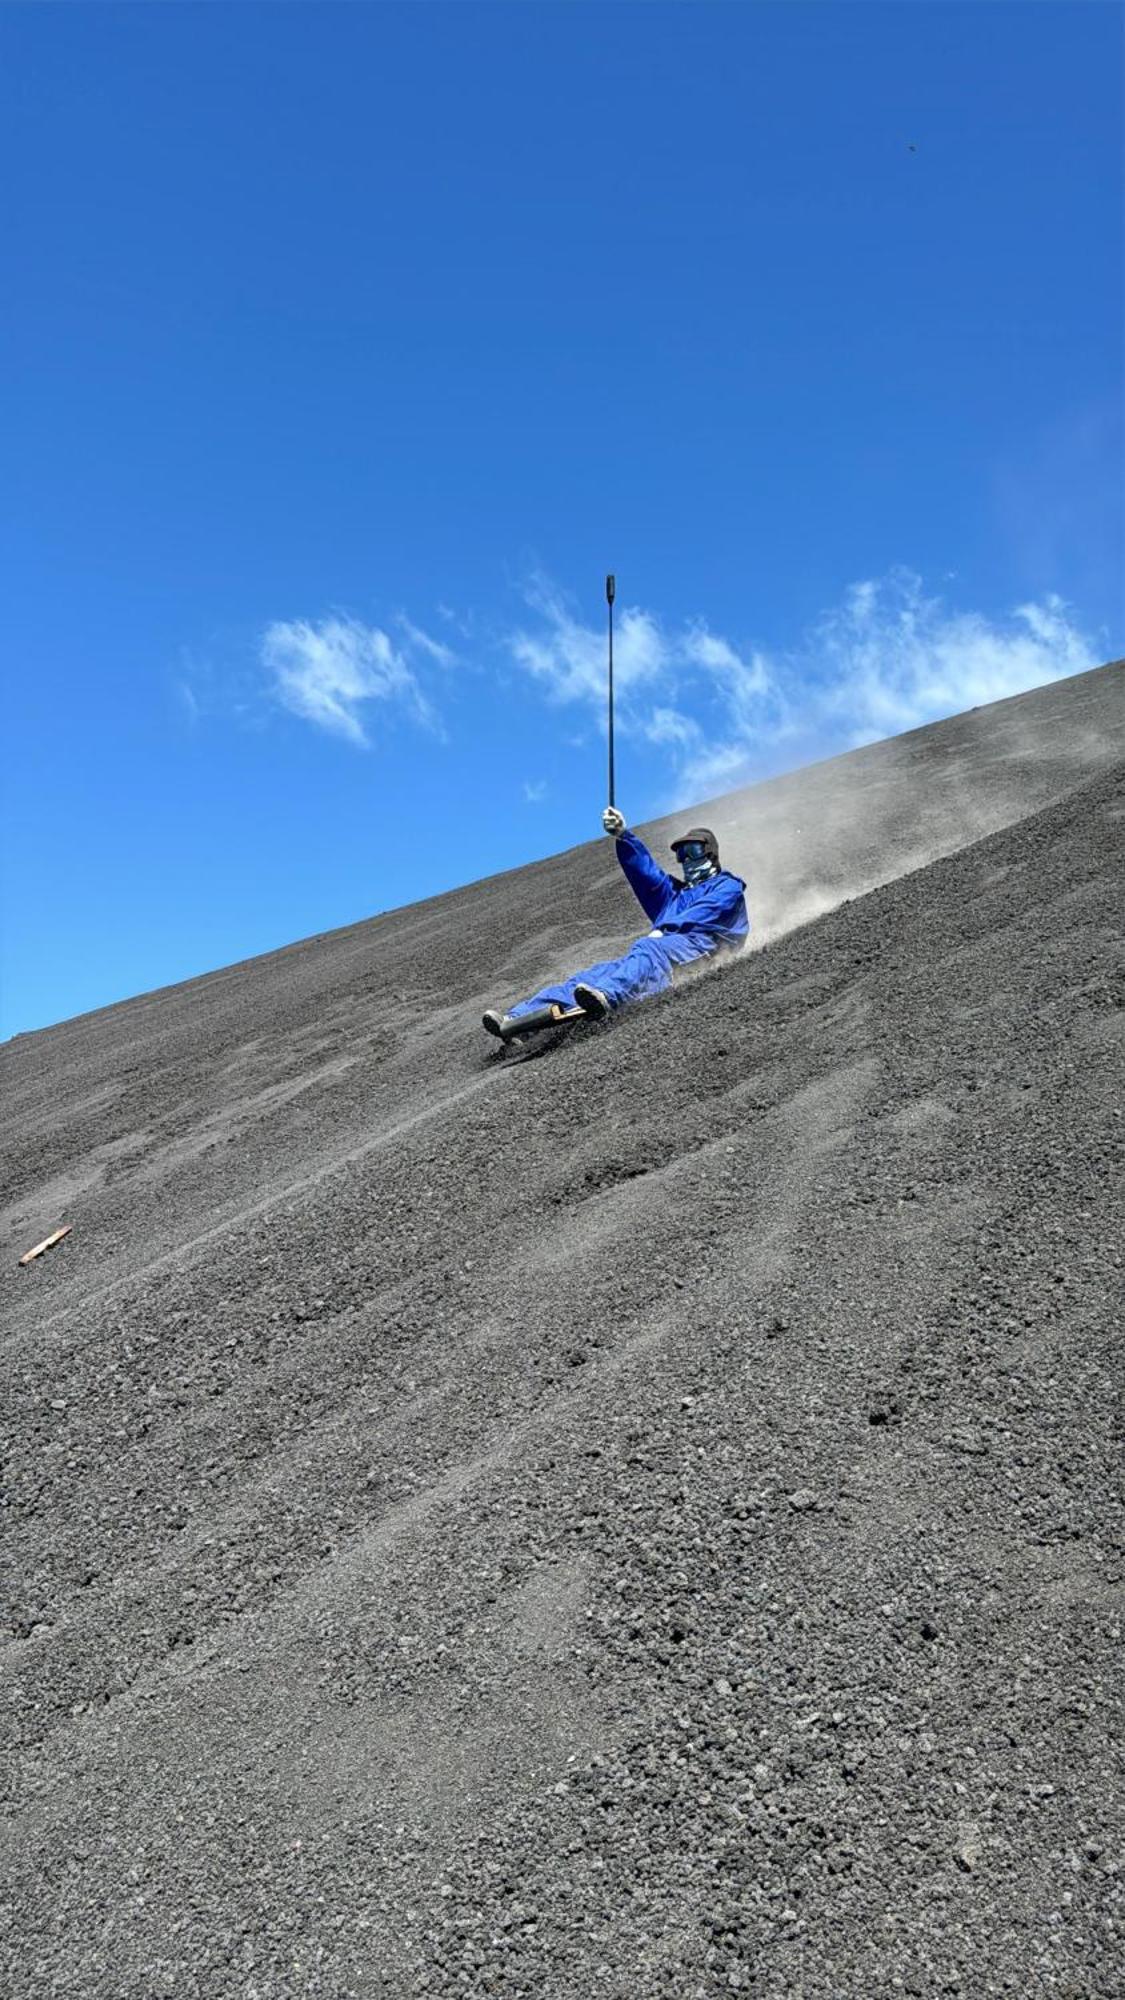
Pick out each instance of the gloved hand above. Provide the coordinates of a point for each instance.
(613, 821)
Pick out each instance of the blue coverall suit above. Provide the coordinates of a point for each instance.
(688, 924)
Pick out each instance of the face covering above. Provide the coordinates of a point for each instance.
(695, 862)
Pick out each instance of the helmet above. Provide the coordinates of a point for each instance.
(697, 852)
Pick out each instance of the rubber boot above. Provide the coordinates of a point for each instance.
(530, 1024)
(507, 1026)
(592, 1001)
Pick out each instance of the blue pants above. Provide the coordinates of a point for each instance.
(645, 969)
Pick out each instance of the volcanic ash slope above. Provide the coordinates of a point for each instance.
(649, 1526)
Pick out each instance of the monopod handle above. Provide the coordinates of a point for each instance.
(610, 592)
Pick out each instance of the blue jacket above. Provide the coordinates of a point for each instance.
(711, 915)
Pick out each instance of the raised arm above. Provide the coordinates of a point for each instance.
(650, 885)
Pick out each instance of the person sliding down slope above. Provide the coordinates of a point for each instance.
(693, 918)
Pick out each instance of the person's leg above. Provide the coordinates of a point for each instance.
(561, 994)
(645, 969)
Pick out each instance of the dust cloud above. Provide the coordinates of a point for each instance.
(812, 839)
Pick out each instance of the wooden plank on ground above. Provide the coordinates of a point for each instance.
(48, 1243)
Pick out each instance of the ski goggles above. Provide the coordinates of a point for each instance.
(694, 859)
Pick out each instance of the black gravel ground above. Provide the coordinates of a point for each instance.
(645, 1522)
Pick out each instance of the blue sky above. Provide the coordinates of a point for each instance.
(344, 349)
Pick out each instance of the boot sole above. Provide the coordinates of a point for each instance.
(593, 1004)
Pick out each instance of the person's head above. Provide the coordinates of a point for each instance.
(698, 855)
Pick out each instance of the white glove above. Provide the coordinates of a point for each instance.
(613, 821)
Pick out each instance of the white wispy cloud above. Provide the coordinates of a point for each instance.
(424, 642)
(535, 791)
(569, 658)
(327, 672)
(895, 658)
(668, 725)
(188, 699)
(888, 658)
